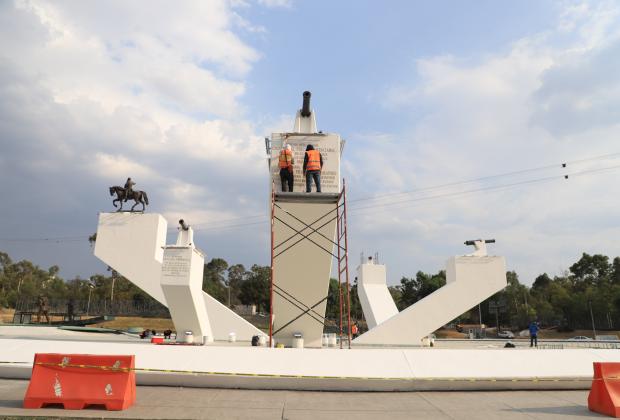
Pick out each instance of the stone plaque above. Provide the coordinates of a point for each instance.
(327, 144)
(176, 263)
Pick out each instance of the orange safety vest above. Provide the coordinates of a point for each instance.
(286, 158)
(314, 160)
(354, 329)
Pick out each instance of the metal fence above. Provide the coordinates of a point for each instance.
(579, 345)
(98, 307)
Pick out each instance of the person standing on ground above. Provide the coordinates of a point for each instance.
(313, 163)
(42, 303)
(534, 334)
(70, 310)
(286, 163)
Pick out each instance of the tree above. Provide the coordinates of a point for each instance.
(541, 282)
(590, 270)
(332, 309)
(214, 277)
(255, 290)
(418, 288)
(237, 274)
(396, 294)
(615, 274)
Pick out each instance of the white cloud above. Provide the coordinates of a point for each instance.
(551, 98)
(91, 93)
(276, 3)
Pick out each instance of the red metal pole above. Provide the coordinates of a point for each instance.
(273, 207)
(338, 268)
(346, 256)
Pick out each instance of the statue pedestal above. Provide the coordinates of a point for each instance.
(181, 282)
(375, 298)
(469, 281)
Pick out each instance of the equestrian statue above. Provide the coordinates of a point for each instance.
(128, 193)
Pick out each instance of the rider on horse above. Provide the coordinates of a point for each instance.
(128, 188)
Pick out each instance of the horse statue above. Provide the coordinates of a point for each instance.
(139, 197)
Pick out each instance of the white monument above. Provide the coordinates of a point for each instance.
(375, 298)
(304, 232)
(470, 279)
(133, 244)
(181, 281)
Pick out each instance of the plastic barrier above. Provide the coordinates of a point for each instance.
(157, 340)
(78, 380)
(604, 394)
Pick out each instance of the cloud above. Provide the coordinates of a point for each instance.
(276, 3)
(549, 98)
(93, 93)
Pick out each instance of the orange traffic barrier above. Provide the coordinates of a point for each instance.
(157, 340)
(78, 380)
(604, 394)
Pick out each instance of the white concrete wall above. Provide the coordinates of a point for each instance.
(132, 244)
(303, 271)
(469, 281)
(181, 282)
(355, 369)
(375, 298)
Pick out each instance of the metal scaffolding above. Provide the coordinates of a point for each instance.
(337, 213)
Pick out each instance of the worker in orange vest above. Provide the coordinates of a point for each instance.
(313, 163)
(354, 330)
(285, 164)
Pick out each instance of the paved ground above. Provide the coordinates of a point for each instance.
(43, 332)
(191, 403)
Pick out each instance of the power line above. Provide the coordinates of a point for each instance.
(50, 239)
(487, 177)
(489, 188)
(444, 195)
(208, 224)
(216, 225)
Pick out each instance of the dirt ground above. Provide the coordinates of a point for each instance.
(160, 324)
(6, 315)
(126, 322)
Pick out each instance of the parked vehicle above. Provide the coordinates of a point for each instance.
(505, 334)
(580, 338)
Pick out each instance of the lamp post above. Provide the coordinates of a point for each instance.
(90, 289)
(592, 317)
(114, 274)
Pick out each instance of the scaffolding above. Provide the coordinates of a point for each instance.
(308, 229)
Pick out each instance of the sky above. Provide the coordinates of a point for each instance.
(457, 118)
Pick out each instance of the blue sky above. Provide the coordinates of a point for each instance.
(347, 52)
(426, 93)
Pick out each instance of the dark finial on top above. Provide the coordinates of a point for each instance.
(305, 108)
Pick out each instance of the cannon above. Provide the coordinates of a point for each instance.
(486, 241)
(305, 108)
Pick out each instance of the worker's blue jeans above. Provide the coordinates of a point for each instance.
(317, 180)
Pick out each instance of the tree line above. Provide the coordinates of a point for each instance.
(588, 291)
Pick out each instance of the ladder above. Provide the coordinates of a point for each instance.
(343, 263)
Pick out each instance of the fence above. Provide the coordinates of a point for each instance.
(98, 307)
(578, 345)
